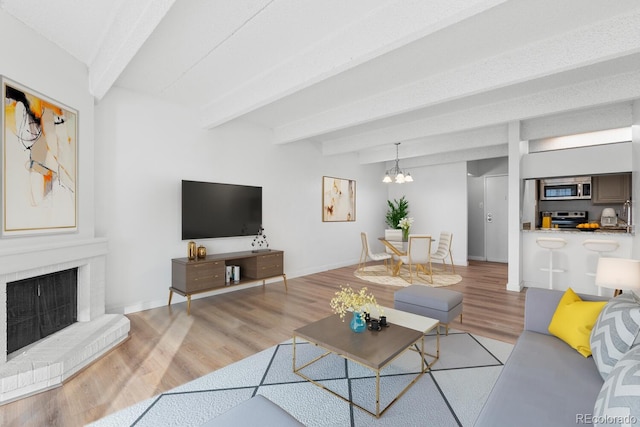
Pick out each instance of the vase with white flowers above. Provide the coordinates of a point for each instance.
(346, 299)
(405, 223)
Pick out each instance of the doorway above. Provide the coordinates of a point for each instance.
(496, 218)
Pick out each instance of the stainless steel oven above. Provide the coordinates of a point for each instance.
(565, 219)
(575, 188)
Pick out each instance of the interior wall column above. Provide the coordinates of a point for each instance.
(635, 177)
(517, 149)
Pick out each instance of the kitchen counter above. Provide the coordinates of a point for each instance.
(579, 264)
(599, 231)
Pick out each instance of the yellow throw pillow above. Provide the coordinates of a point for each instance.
(573, 320)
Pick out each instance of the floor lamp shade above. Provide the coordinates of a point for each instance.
(618, 273)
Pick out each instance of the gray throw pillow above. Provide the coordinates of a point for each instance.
(618, 403)
(615, 332)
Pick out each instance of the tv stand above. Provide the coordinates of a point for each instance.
(207, 274)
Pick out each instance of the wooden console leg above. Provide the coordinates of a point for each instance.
(170, 296)
(284, 277)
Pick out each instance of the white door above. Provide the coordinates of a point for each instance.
(496, 218)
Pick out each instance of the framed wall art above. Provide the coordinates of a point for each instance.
(39, 163)
(338, 199)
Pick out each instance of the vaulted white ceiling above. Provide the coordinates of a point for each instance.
(444, 77)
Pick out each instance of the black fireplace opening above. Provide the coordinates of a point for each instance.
(40, 306)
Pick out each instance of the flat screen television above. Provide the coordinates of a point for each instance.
(212, 210)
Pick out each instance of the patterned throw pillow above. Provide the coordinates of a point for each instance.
(615, 332)
(618, 403)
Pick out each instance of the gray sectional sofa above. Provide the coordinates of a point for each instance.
(544, 382)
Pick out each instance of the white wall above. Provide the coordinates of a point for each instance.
(438, 202)
(34, 62)
(145, 147)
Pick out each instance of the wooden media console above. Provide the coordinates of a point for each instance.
(207, 274)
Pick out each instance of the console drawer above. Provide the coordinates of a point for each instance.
(197, 275)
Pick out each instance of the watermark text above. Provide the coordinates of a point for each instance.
(606, 419)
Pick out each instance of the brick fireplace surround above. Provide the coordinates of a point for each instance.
(47, 363)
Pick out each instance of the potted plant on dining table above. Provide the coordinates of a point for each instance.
(398, 209)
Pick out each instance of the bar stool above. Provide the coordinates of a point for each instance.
(551, 244)
(600, 246)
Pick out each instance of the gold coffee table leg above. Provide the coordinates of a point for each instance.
(378, 393)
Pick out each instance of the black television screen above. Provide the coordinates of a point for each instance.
(212, 209)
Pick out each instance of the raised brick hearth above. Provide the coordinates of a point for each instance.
(47, 363)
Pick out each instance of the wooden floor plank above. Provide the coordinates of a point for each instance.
(168, 348)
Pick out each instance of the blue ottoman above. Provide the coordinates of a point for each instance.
(436, 303)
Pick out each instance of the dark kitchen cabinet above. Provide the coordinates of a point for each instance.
(611, 189)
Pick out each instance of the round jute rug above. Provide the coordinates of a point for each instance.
(379, 274)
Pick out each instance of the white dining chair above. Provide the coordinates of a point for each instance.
(418, 256)
(366, 253)
(444, 250)
(393, 236)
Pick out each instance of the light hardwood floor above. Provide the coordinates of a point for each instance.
(168, 348)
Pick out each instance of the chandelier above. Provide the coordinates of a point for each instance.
(399, 176)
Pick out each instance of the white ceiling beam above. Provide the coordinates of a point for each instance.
(593, 93)
(438, 144)
(613, 38)
(575, 122)
(382, 30)
(135, 22)
(488, 152)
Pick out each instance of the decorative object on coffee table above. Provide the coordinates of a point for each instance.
(357, 323)
(346, 299)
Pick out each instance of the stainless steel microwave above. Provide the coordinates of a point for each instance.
(574, 188)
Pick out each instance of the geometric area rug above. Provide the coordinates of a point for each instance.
(451, 394)
(378, 274)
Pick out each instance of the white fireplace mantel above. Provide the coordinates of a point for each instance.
(36, 256)
(52, 360)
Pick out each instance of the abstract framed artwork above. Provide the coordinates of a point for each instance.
(39, 163)
(338, 199)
